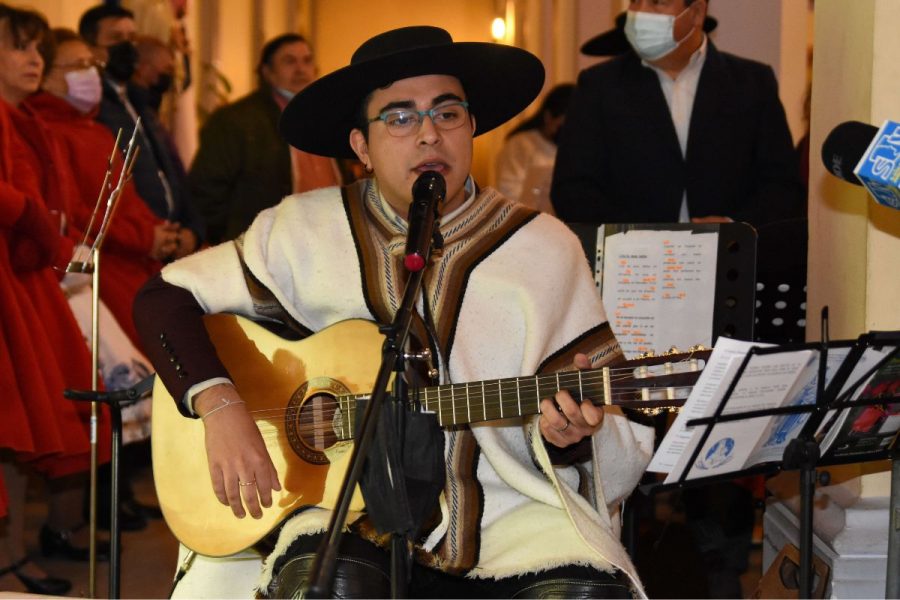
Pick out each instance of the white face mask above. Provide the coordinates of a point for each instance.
(652, 35)
(85, 89)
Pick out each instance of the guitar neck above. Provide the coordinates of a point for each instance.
(463, 403)
(472, 402)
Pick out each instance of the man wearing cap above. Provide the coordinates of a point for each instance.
(530, 504)
(674, 130)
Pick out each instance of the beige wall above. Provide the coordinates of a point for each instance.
(60, 13)
(854, 250)
(468, 20)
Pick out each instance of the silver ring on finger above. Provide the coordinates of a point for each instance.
(244, 483)
(566, 427)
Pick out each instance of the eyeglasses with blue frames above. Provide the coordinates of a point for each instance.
(401, 122)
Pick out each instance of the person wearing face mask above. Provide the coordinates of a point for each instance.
(153, 73)
(158, 173)
(229, 185)
(673, 130)
(42, 350)
(138, 241)
(136, 244)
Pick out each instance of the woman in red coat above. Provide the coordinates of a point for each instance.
(137, 241)
(44, 351)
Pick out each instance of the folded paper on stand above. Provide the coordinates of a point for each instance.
(769, 381)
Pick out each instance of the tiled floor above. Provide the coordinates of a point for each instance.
(149, 556)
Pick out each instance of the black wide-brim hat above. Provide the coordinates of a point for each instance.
(499, 81)
(613, 42)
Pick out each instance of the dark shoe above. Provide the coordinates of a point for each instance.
(46, 586)
(147, 511)
(59, 543)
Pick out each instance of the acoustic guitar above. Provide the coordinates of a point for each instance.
(303, 396)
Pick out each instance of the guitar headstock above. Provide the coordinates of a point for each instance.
(658, 383)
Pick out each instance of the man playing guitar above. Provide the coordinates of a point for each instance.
(530, 504)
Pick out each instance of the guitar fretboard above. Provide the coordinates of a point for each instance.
(463, 403)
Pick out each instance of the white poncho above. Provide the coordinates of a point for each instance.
(511, 295)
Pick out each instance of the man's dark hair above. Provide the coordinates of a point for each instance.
(89, 24)
(25, 25)
(362, 116)
(555, 102)
(272, 46)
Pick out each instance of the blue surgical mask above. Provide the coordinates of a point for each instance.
(652, 35)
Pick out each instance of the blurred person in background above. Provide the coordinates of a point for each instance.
(243, 165)
(165, 21)
(43, 348)
(529, 152)
(158, 175)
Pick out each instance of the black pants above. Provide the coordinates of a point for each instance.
(363, 571)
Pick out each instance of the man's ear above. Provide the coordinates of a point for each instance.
(360, 146)
(472, 118)
(700, 7)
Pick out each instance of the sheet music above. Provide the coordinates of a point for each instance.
(658, 288)
(784, 428)
(768, 381)
(702, 402)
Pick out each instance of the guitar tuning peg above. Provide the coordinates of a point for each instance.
(697, 348)
(671, 351)
(647, 354)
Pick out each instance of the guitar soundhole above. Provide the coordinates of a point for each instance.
(310, 419)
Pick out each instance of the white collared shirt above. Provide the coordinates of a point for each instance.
(680, 93)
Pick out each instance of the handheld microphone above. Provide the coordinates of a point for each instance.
(428, 193)
(866, 155)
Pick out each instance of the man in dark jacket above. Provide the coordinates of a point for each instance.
(674, 130)
(243, 165)
(158, 174)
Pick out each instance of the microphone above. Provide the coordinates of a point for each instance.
(428, 193)
(866, 155)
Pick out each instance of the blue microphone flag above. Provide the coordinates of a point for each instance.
(879, 167)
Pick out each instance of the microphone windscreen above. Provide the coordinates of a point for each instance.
(845, 146)
(429, 184)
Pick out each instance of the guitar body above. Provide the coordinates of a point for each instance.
(287, 385)
(302, 396)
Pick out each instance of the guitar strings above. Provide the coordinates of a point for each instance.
(494, 396)
(308, 424)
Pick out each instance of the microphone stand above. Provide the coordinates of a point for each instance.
(91, 264)
(321, 581)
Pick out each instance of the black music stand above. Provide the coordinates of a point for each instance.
(733, 301)
(803, 452)
(116, 401)
(734, 294)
